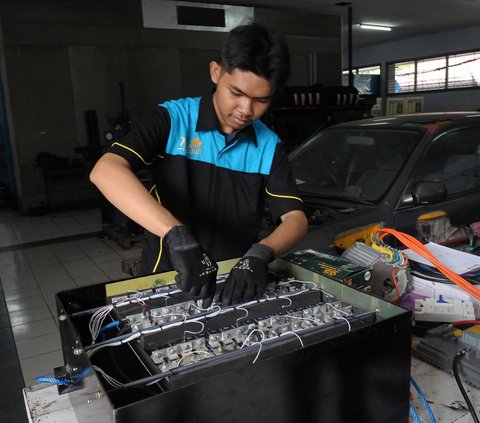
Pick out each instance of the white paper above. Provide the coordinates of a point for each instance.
(435, 289)
(448, 292)
(459, 261)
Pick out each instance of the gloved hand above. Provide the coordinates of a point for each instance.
(196, 272)
(248, 278)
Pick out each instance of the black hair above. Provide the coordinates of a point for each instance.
(254, 48)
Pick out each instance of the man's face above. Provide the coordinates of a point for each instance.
(240, 98)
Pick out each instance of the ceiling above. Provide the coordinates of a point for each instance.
(406, 17)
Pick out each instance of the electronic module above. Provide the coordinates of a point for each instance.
(176, 332)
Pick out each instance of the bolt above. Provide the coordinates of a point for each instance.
(77, 351)
(62, 317)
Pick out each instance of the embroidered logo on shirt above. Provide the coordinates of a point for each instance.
(194, 147)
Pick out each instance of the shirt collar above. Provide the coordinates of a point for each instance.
(207, 120)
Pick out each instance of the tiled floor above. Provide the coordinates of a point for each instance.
(18, 230)
(40, 256)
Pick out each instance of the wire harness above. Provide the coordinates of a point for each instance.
(409, 241)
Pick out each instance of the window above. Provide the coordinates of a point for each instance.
(366, 80)
(464, 70)
(352, 164)
(435, 73)
(431, 74)
(454, 159)
(401, 77)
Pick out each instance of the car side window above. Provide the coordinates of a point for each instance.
(453, 159)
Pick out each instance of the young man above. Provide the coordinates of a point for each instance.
(214, 167)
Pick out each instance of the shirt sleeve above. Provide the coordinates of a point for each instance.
(145, 141)
(282, 195)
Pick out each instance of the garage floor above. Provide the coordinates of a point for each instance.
(46, 254)
(40, 256)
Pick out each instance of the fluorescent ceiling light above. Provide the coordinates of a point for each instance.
(377, 27)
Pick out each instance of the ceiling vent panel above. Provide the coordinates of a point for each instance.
(164, 14)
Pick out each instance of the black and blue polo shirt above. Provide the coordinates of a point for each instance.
(218, 185)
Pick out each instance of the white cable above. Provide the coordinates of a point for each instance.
(196, 319)
(259, 351)
(164, 294)
(256, 342)
(114, 344)
(206, 309)
(111, 380)
(337, 309)
(213, 309)
(283, 283)
(286, 298)
(343, 318)
(98, 317)
(193, 333)
(253, 302)
(296, 334)
(159, 328)
(250, 334)
(176, 314)
(151, 330)
(129, 300)
(138, 294)
(243, 317)
(348, 323)
(219, 311)
(296, 293)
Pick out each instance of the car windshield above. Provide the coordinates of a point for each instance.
(352, 164)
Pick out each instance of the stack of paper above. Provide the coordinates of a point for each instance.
(459, 261)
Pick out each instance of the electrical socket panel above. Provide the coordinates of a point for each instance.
(443, 310)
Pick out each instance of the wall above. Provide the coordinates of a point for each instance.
(63, 57)
(313, 41)
(9, 171)
(427, 45)
(42, 104)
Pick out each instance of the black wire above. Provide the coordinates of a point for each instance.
(430, 273)
(120, 369)
(430, 278)
(457, 358)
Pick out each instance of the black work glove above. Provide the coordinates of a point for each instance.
(248, 278)
(196, 272)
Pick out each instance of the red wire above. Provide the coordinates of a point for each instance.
(466, 322)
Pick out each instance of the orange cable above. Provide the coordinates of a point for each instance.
(394, 279)
(415, 245)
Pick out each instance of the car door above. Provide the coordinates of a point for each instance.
(453, 161)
